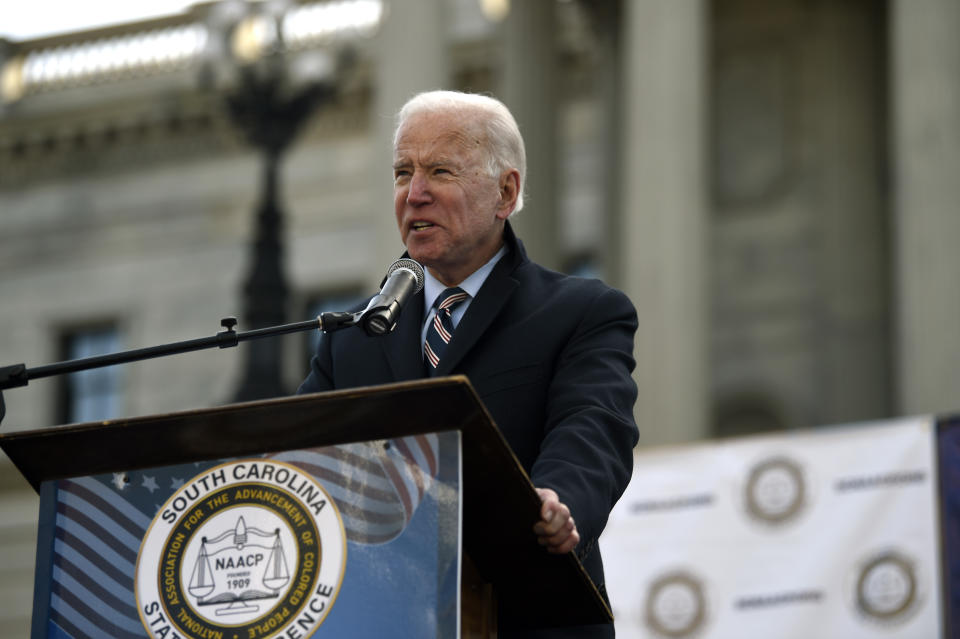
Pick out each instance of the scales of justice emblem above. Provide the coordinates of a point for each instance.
(249, 548)
(240, 566)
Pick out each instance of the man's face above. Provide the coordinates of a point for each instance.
(449, 209)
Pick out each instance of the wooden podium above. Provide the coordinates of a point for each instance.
(502, 560)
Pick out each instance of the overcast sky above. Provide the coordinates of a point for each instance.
(38, 18)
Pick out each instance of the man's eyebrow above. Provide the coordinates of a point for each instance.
(405, 162)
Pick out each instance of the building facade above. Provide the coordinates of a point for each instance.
(773, 184)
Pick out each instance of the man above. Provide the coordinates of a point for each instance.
(549, 355)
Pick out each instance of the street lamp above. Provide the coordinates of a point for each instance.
(270, 92)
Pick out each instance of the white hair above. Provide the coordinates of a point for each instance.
(503, 144)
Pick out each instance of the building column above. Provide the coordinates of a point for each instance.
(412, 56)
(528, 88)
(663, 212)
(925, 99)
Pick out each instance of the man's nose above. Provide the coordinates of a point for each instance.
(419, 192)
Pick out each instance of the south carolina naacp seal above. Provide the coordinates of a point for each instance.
(887, 589)
(246, 549)
(676, 606)
(775, 492)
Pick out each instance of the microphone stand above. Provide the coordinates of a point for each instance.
(19, 375)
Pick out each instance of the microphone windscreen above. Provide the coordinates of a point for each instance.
(411, 265)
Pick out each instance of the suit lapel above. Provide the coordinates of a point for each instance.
(402, 347)
(490, 300)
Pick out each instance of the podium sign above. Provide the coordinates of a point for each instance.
(348, 540)
(510, 578)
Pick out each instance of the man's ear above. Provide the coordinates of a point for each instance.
(509, 192)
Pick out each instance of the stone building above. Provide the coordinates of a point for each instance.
(774, 184)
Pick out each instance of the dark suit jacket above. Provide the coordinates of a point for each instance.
(550, 356)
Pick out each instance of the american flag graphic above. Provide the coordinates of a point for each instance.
(96, 539)
(100, 521)
(377, 485)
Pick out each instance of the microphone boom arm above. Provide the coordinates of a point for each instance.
(404, 279)
(19, 375)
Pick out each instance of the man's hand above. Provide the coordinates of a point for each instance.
(556, 529)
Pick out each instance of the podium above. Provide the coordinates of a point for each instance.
(504, 571)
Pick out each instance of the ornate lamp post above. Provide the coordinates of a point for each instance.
(269, 106)
(270, 121)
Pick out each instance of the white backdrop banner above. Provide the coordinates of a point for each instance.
(826, 533)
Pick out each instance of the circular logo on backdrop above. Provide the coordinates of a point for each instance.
(887, 588)
(775, 492)
(246, 549)
(676, 606)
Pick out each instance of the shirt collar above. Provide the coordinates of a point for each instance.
(432, 287)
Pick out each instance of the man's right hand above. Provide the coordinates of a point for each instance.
(556, 529)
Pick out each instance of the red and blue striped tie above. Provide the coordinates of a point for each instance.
(441, 328)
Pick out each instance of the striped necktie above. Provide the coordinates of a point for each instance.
(441, 328)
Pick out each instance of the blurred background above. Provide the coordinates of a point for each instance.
(773, 183)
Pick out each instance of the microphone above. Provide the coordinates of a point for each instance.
(404, 280)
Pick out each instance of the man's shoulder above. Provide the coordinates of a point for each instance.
(537, 278)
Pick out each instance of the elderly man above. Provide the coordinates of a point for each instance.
(549, 355)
